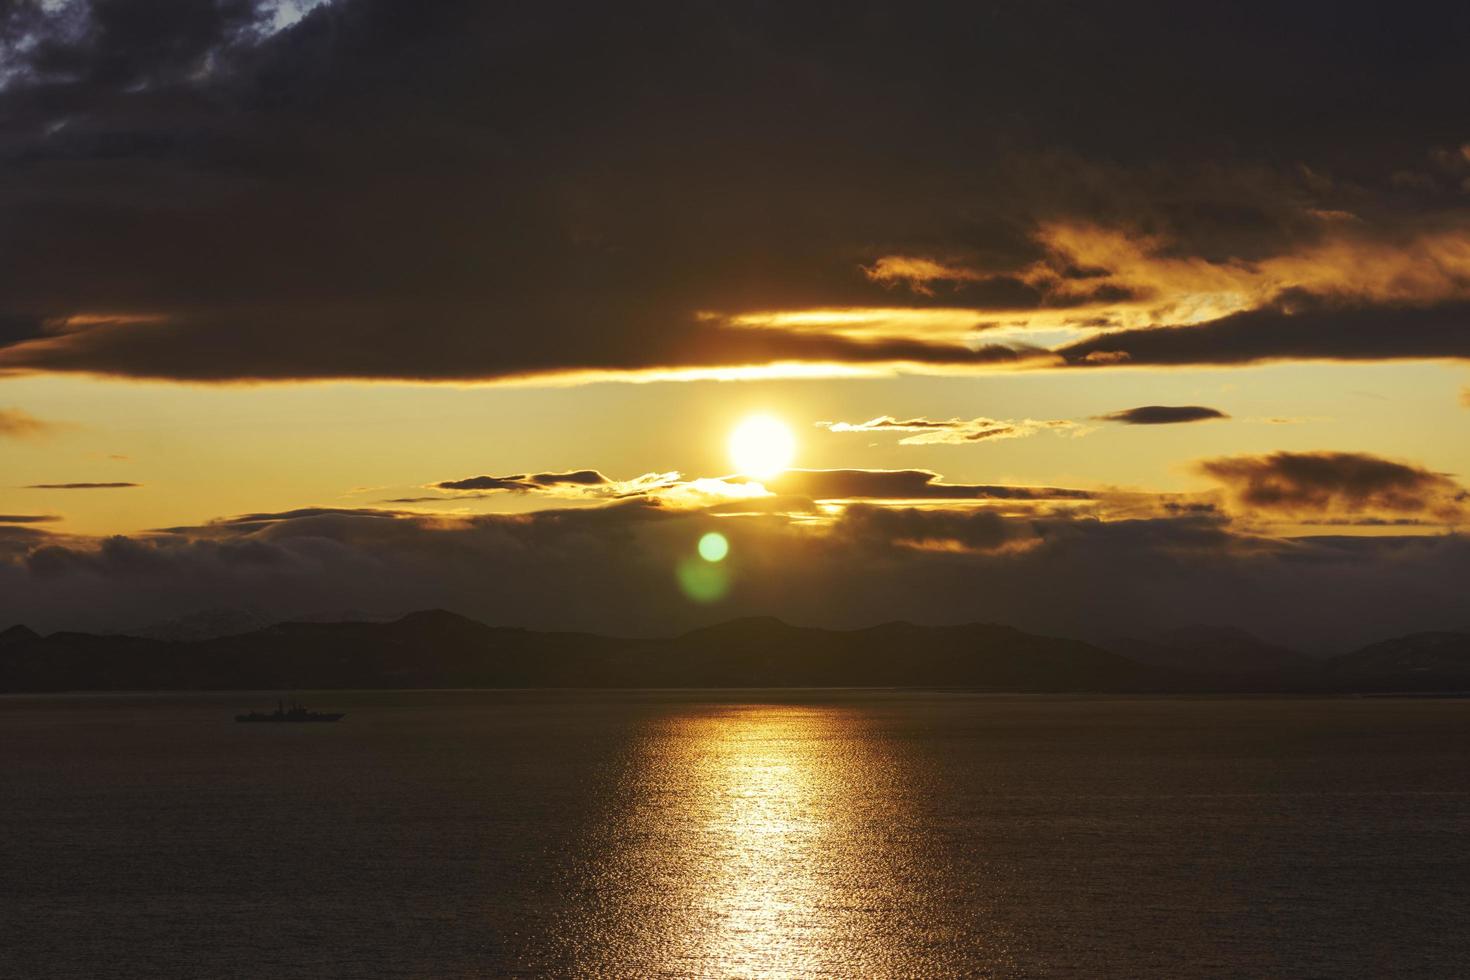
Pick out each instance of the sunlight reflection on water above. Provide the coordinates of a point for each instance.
(695, 834)
(763, 841)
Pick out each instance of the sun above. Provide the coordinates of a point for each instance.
(762, 446)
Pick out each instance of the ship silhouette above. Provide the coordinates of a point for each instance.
(296, 712)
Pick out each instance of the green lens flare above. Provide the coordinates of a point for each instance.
(703, 581)
(713, 546)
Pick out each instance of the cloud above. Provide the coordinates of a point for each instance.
(1336, 484)
(917, 273)
(570, 485)
(298, 517)
(16, 424)
(792, 491)
(1164, 415)
(460, 237)
(857, 484)
(957, 432)
(99, 50)
(984, 532)
(28, 518)
(1298, 327)
(80, 486)
(612, 569)
(1140, 281)
(524, 482)
(1422, 266)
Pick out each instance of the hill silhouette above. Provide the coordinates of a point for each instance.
(436, 648)
(1433, 661)
(1216, 650)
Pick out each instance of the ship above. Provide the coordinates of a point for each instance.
(295, 712)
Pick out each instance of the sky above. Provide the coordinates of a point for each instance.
(1092, 320)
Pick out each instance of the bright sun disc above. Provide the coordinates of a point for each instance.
(762, 446)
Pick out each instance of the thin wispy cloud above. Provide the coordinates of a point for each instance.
(956, 432)
(569, 485)
(17, 424)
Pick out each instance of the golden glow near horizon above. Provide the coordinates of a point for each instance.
(762, 446)
(201, 452)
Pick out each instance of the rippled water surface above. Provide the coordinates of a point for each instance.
(760, 834)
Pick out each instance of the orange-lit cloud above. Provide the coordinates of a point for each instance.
(569, 485)
(856, 484)
(956, 432)
(917, 273)
(1123, 279)
(795, 489)
(16, 424)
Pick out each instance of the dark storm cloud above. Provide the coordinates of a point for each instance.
(1162, 415)
(167, 348)
(461, 190)
(1329, 483)
(1277, 333)
(80, 486)
(613, 570)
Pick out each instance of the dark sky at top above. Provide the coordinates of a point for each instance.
(471, 190)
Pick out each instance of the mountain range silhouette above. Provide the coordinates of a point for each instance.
(435, 648)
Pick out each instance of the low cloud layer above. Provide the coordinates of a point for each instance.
(1163, 415)
(1328, 484)
(613, 569)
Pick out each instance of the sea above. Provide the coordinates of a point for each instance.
(749, 833)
